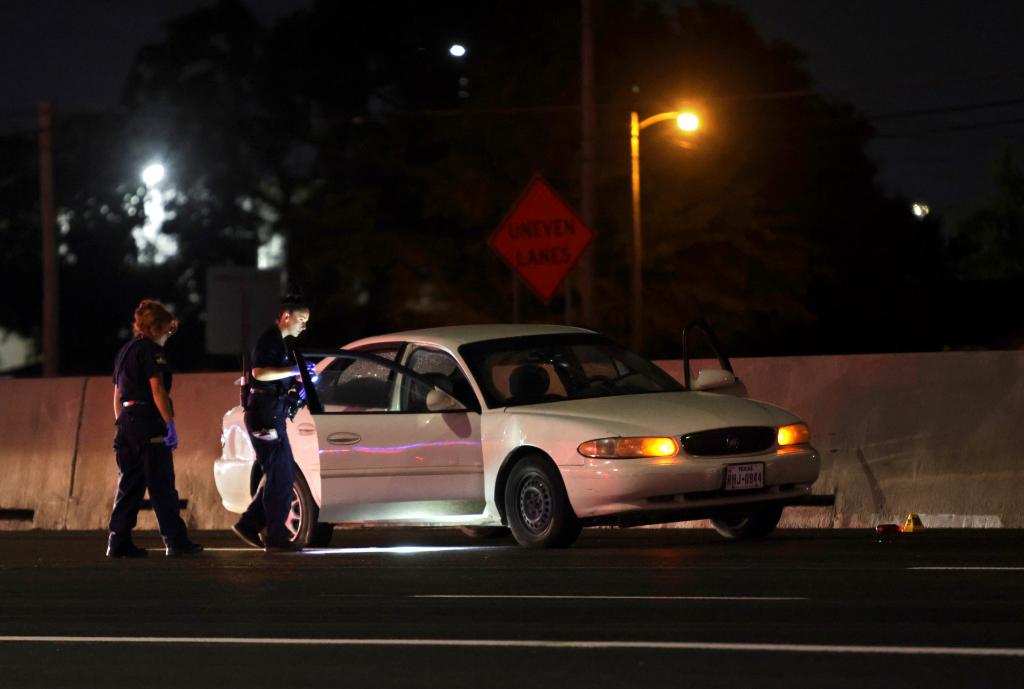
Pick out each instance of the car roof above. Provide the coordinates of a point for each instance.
(453, 336)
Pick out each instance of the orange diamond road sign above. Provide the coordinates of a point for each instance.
(541, 238)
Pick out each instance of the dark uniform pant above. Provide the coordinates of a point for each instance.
(271, 506)
(143, 465)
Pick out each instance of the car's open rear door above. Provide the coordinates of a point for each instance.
(384, 453)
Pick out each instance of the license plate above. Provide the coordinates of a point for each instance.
(744, 476)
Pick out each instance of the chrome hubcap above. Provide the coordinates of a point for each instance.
(294, 519)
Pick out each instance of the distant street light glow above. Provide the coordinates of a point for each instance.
(688, 122)
(921, 210)
(154, 247)
(153, 174)
(457, 50)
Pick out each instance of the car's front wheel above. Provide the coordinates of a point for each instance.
(749, 526)
(537, 506)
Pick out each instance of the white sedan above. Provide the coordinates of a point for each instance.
(537, 429)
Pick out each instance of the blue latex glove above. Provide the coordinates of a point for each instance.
(171, 439)
(311, 369)
(302, 394)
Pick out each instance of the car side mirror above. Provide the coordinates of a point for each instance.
(439, 400)
(712, 378)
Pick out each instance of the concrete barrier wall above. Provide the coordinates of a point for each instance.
(937, 434)
(200, 401)
(38, 431)
(57, 458)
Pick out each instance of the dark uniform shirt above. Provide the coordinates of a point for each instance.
(137, 362)
(271, 352)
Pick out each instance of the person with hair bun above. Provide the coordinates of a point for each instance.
(265, 415)
(146, 436)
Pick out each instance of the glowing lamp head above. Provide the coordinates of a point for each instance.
(629, 448)
(794, 434)
(153, 174)
(457, 50)
(688, 122)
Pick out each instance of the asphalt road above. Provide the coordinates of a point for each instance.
(630, 608)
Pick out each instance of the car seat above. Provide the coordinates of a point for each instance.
(418, 393)
(527, 384)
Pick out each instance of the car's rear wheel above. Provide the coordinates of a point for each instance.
(537, 507)
(486, 532)
(301, 512)
(749, 526)
(301, 521)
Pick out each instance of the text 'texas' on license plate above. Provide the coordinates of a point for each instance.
(744, 476)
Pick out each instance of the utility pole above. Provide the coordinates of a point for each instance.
(586, 269)
(47, 215)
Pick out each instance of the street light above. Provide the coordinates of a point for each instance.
(153, 174)
(688, 122)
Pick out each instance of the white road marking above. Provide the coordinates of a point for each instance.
(530, 643)
(969, 569)
(386, 550)
(393, 550)
(544, 597)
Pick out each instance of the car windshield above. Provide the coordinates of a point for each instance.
(551, 368)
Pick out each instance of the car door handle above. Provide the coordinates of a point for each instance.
(343, 438)
(307, 429)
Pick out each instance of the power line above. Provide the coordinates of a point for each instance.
(954, 128)
(947, 109)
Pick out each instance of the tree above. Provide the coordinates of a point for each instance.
(989, 243)
(347, 134)
(988, 259)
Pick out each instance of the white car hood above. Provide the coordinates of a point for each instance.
(664, 413)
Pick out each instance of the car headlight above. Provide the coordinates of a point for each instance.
(794, 434)
(627, 448)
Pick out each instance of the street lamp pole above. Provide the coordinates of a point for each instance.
(688, 122)
(638, 251)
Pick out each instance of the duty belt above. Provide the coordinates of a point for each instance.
(132, 403)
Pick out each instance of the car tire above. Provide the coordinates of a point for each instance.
(749, 526)
(486, 532)
(303, 513)
(303, 527)
(537, 507)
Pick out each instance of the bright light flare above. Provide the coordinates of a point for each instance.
(153, 174)
(921, 210)
(688, 122)
(457, 50)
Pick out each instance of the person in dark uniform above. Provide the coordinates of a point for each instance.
(146, 436)
(273, 373)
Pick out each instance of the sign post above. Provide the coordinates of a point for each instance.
(541, 238)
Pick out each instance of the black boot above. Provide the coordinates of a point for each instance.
(184, 548)
(126, 549)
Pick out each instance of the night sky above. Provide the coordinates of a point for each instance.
(963, 59)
